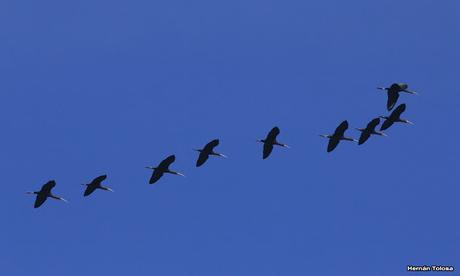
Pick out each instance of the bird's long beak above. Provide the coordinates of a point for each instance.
(383, 134)
(110, 190)
(359, 129)
(409, 122)
(222, 155)
(150, 168)
(381, 88)
(30, 193)
(324, 135)
(286, 146)
(178, 173)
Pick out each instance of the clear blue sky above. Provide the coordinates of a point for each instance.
(93, 87)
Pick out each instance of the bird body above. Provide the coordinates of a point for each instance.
(96, 184)
(271, 141)
(369, 130)
(207, 151)
(44, 193)
(395, 117)
(163, 168)
(393, 93)
(339, 134)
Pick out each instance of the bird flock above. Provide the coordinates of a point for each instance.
(393, 93)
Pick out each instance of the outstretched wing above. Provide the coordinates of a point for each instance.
(97, 181)
(271, 136)
(398, 111)
(202, 158)
(46, 189)
(40, 199)
(166, 162)
(211, 145)
(268, 147)
(156, 175)
(340, 130)
(364, 136)
(392, 99)
(333, 142)
(386, 124)
(372, 124)
(89, 190)
(402, 86)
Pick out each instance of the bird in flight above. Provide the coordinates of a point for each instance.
(338, 135)
(393, 93)
(369, 130)
(96, 184)
(163, 168)
(395, 117)
(44, 193)
(271, 141)
(207, 151)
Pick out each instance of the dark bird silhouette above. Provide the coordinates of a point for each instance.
(44, 193)
(395, 117)
(393, 93)
(271, 141)
(207, 151)
(369, 130)
(338, 135)
(96, 184)
(163, 168)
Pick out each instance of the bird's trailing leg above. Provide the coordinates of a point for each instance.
(407, 122)
(282, 145)
(59, 198)
(349, 139)
(107, 189)
(409, 91)
(176, 173)
(219, 154)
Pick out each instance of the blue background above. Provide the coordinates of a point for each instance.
(93, 87)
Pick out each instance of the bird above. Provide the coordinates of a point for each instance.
(338, 135)
(393, 93)
(271, 141)
(96, 184)
(395, 117)
(369, 130)
(207, 151)
(163, 168)
(44, 193)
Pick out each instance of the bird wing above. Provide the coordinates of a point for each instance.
(202, 158)
(211, 145)
(40, 199)
(392, 99)
(89, 190)
(268, 147)
(403, 86)
(333, 142)
(364, 136)
(386, 124)
(340, 130)
(271, 136)
(166, 162)
(47, 187)
(398, 111)
(156, 175)
(98, 180)
(372, 124)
